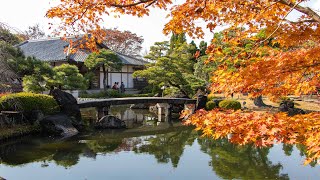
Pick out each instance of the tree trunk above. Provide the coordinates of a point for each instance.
(259, 102)
(104, 77)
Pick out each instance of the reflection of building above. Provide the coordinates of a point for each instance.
(55, 51)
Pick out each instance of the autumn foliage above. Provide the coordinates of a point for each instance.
(261, 129)
(285, 60)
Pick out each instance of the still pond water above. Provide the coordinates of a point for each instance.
(148, 150)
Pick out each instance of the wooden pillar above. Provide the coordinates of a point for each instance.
(159, 113)
(170, 108)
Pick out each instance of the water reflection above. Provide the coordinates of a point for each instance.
(132, 117)
(230, 161)
(167, 147)
(172, 145)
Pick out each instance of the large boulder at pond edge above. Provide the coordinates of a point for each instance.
(110, 122)
(288, 107)
(68, 105)
(58, 125)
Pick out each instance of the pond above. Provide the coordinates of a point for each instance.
(148, 150)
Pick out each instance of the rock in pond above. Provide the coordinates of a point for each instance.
(110, 122)
(68, 105)
(288, 107)
(58, 125)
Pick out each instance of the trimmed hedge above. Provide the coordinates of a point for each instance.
(27, 102)
(230, 104)
(210, 105)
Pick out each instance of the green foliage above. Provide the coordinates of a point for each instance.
(230, 104)
(203, 70)
(106, 58)
(171, 91)
(211, 97)
(8, 37)
(18, 131)
(159, 50)
(203, 47)
(27, 102)
(30, 66)
(177, 40)
(151, 89)
(193, 48)
(175, 69)
(30, 69)
(31, 84)
(210, 105)
(110, 93)
(68, 77)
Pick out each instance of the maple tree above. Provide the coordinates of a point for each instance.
(293, 67)
(124, 42)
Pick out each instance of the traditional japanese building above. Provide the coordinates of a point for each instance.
(55, 52)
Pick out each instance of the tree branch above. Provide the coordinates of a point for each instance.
(304, 10)
(134, 4)
(303, 21)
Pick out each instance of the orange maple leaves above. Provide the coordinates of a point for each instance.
(261, 129)
(291, 72)
(85, 16)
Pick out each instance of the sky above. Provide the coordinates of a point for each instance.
(21, 14)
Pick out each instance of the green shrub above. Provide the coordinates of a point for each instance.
(138, 95)
(110, 93)
(210, 105)
(230, 104)
(211, 97)
(27, 102)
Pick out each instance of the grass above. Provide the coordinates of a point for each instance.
(17, 131)
(310, 104)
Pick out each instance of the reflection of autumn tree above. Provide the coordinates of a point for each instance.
(168, 147)
(230, 161)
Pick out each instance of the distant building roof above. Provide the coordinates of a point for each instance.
(129, 60)
(53, 49)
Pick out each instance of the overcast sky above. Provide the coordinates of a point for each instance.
(23, 13)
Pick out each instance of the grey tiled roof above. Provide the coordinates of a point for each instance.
(128, 60)
(53, 49)
(46, 49)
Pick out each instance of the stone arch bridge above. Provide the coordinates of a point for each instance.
(163, 104)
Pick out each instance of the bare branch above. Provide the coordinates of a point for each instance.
(134, 4)
(304, 10)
